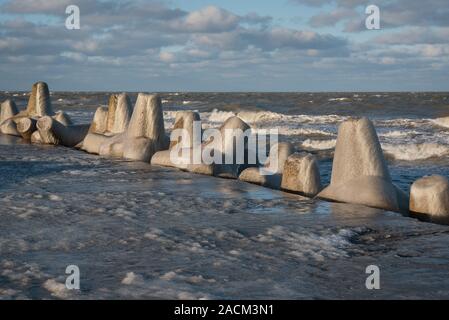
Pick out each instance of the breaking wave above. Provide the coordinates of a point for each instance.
(416, 151)
(398, 133)
(442, 122)
(402, 139)
(265, 116)
(319, 144)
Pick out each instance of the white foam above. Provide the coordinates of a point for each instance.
(319, 144)
(132, 278)
(322, 119)
(267, 116)
(401, 122)
(339, 99)
(442, 122)
(415, 151)
(306, 246)
(286, 130)
(398, 133)
(56, 289)
(259, 116)
(220, 116)
(54, 197)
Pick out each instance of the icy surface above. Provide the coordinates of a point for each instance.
(137, 231)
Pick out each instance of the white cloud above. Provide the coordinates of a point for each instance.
(145, 40)
(208, 19)
(167, 56)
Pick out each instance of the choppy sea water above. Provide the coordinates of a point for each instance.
(413, 127)
(137, 231)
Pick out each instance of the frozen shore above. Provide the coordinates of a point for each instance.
(137, 231)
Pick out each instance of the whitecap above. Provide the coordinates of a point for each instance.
(416, 151)
(220, 116)
(398, 133)
(319, 144)
(442, 122)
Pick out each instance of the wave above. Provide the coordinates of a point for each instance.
(401, 122)
(220, 116)
(265, 116)
(404, 152)
(416, 151)
(319, 144)
(442, 122)
(260, 116)
(247, 116)
(322, 119)
(398, 133)
(291, 131)
(318, 132)
(339, 99)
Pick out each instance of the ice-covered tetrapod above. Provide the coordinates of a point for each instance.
(26, 127)
(359, 173)
(108, 122)
(7, 113)
(23, 123)
(145, 134)
(233, 129)
(39, 103)
(54, 132)
(277, 157)
(233, 140)
(301, 174)
(429, 196)
(235, 135)
(8, 110)
(183, 131)
(99, 123)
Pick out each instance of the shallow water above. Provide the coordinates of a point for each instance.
(137, 231)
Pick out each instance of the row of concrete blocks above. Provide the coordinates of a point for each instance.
(359, 175)
(38, 122)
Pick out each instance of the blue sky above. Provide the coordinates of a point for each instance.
(201, 45)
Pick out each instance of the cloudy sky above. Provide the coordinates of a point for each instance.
(225, 45)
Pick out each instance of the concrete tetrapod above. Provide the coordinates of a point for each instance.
(272, 177)
(108, 122)
(302, 174)
(429, 197)
(359, 173)
(145, 134)
(183, 131)
(54, 132)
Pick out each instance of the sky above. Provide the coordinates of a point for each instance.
(225, 45)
